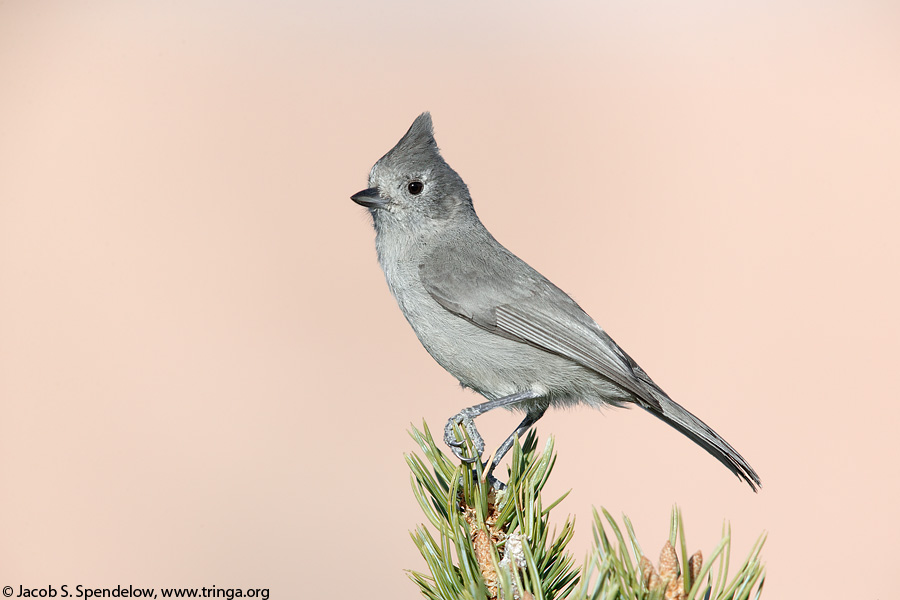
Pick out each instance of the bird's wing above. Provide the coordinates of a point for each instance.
(502, 294)
(522, 305)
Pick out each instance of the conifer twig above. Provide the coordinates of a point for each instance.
(495, 542)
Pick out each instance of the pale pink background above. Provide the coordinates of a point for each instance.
(203, 377)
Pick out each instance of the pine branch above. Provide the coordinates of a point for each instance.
(489, 543)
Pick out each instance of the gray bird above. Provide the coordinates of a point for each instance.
(497, 325)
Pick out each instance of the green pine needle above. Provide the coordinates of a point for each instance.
(497, 544)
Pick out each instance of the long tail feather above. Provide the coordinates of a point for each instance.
(678, 417)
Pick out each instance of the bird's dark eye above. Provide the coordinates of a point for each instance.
(415, 187)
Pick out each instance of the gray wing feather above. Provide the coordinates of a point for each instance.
(589, 348)
(503, 301)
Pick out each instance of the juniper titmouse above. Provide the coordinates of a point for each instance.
(497, 325)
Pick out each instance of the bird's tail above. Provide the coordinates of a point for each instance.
(678, 417)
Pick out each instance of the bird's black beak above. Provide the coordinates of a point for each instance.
(369, 198)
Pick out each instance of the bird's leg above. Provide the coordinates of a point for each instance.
(466, 418)
(530, 419)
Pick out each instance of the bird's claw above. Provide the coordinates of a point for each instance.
(456, 445)
(463, 458)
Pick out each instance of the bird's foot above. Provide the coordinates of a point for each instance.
(493, 482)
(468, 424)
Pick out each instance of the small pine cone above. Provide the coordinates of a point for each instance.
(675, 589)
(668, 562)
(648, 573)
(695, 563)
